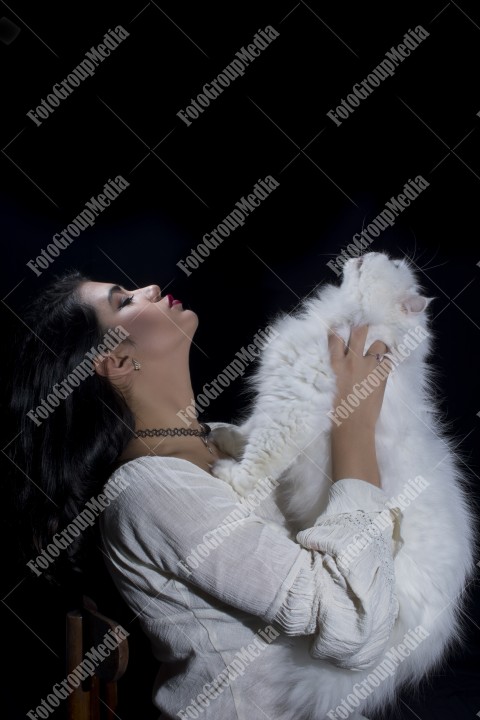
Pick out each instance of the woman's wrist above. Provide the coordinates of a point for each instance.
(354, 453)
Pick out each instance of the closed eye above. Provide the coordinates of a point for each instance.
(126, 301)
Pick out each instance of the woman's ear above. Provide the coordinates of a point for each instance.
(415, 304)
(114, 365)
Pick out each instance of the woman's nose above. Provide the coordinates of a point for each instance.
(153, 292)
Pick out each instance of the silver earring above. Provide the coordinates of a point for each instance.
(136, 364)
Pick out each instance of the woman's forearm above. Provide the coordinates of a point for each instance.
(354, 454)
(353, 441)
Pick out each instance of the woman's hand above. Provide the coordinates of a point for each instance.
(353, 437)
(352, 368)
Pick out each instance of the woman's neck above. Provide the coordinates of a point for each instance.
(155, 406)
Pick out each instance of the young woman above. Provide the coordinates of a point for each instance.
(199, 602)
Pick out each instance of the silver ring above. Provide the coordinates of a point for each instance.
(379, 358)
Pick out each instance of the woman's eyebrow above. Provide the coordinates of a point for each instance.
(114, 289)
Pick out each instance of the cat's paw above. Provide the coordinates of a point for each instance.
(232, 473)
(230, 440)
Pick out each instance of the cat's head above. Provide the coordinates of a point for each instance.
(385, 292)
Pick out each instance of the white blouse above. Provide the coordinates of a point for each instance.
(208, 576)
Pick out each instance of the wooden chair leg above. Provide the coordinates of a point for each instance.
(78, 702)
(111, 700)
(96, 697)
(96, 712)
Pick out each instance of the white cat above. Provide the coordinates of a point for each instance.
(286, 432)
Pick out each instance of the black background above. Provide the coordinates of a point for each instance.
(185, 180)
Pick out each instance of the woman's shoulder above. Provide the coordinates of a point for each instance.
(143, 475)
(148, 471)
(147, 475)
(147, 478)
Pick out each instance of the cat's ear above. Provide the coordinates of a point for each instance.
(415, 304)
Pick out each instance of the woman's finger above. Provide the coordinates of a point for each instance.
(356, 341)
(336, 345)
(378, 346)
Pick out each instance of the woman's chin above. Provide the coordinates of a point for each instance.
(190, 319)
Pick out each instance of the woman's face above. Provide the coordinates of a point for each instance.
(156, 327)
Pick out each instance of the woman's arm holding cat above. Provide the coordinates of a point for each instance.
(353, 440)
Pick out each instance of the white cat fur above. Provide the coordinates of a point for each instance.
(286, 434)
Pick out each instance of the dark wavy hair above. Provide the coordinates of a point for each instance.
(55, 467)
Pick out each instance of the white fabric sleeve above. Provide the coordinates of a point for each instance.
(187, 523)
(356, 538)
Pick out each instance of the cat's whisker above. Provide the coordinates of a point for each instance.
(415, 258)
(433, 267)
(427, 263)
(415, 245)
(411, 257)
(407, 258)
(363, 221)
